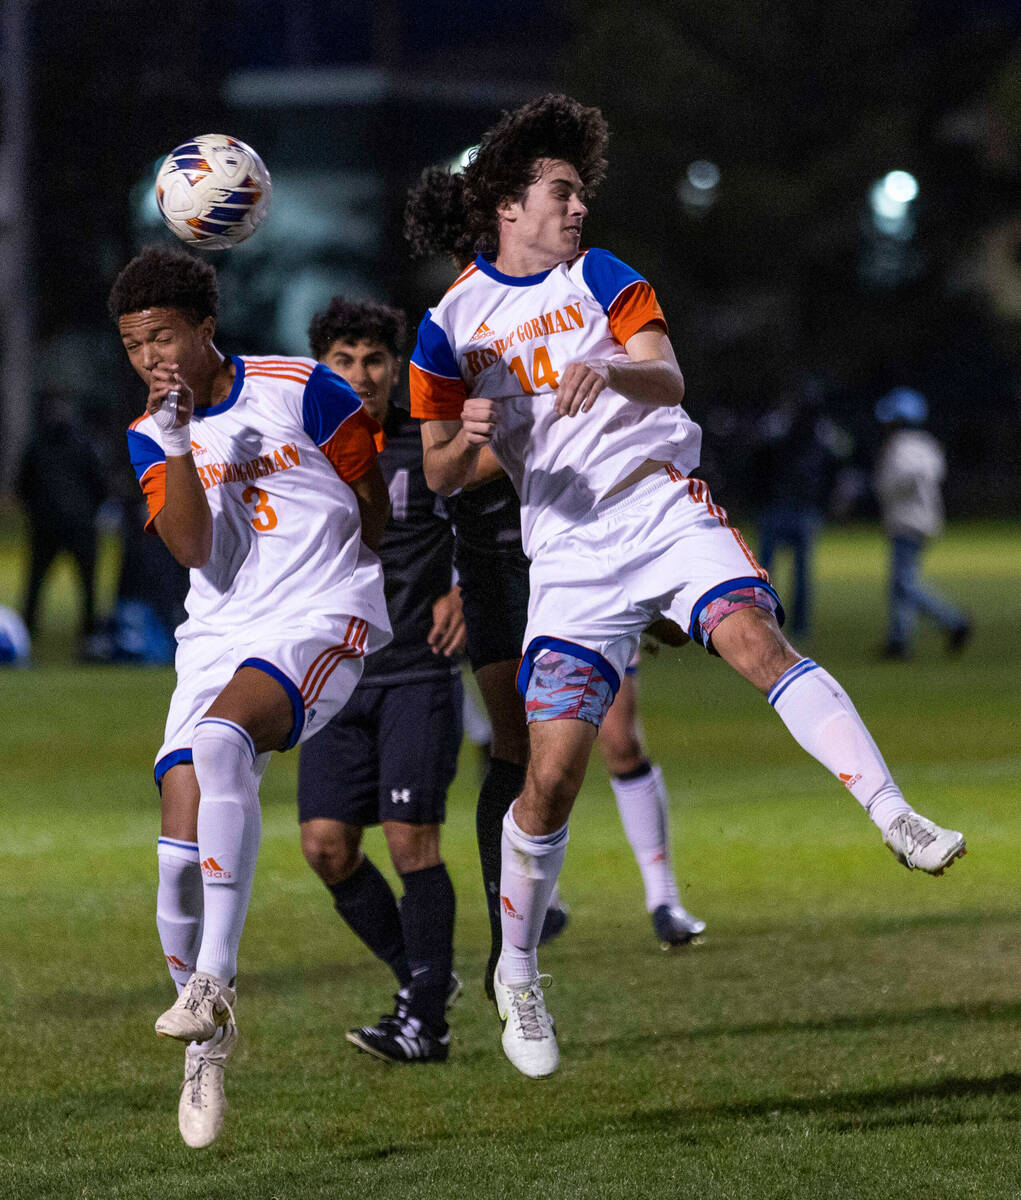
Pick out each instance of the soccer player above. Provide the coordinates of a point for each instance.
(559, 360)
(260, 475)
(389, 756)
(493, 572)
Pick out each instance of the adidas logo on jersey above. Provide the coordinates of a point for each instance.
(483, 331)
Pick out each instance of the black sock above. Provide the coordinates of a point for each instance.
(366, 902)
(501, 787)
(643, 768)
(427, 916)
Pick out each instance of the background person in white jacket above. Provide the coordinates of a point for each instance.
(908, 479)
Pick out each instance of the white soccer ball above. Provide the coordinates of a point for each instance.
(213, 191)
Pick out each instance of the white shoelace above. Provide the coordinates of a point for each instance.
(530, 1009)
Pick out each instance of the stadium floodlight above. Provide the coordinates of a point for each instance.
(890, 200)
(698, 189)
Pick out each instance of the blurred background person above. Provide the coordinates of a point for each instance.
(909, 475)
(798, 453)
(61, 484)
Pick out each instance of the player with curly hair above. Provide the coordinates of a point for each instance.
(493, 573)
(559, 360)
(260, 475)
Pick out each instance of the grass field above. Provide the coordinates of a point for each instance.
(847, 1029)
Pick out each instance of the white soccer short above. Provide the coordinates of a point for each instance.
(659, 549)
(319, 668)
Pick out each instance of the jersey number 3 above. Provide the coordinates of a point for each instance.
(265, 518)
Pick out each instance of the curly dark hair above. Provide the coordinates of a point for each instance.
(504, 165)
(436, 217)
(162, 278)
(351, 321)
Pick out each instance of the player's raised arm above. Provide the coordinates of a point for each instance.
(648, 374)
(452, 450)
(184, 523)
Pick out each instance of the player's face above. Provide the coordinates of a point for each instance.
(369, 369)
(166, 335)
(547, 220)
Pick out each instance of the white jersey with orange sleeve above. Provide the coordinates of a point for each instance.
(276, 458)
(509, 338)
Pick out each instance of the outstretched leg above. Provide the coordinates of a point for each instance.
(822, 719)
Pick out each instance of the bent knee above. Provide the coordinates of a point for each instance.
(329, 853)
(412, 847)
(749, 639)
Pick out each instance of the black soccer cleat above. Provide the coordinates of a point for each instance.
(554, 923)
(401, 1040)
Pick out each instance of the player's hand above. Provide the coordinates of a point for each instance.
(164, 380)
(478, 420)
(447, 635)
(580, 385)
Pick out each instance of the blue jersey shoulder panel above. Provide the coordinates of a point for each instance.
(144, 452)
(606, 276)
(326, 404)
(432, 350)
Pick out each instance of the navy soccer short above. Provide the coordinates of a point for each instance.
(389, 755)
(494, 593)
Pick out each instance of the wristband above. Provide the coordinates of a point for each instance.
(176, 438)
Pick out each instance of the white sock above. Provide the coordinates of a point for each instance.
(179, 906)
(817, 711)
(529, 870)
(229, 828)
(643, 806)
(554, 897)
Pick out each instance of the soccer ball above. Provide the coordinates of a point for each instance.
(213, 191)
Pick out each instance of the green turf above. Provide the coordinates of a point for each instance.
(847, 1029)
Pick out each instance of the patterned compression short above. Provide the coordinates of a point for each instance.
(565, 688)
(723, 606)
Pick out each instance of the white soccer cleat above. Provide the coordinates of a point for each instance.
(922, 845)
(675, 926)
(529, 1035)
(202, 1007)
(203, 1103)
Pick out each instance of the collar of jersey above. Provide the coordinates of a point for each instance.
(235, 391)
(487, 268)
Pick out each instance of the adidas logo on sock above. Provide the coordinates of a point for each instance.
(510, 910)
(212, 869)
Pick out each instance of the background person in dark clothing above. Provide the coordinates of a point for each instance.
(61, 484)
(794, 468)
(390, 756)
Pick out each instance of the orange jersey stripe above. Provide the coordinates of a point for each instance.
(276, 375)
(465, 274)
(353, 448)
(434, 397)
(279, 362)
(154, 489)
(633, 309)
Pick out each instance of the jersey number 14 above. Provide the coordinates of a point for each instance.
(542, 374)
